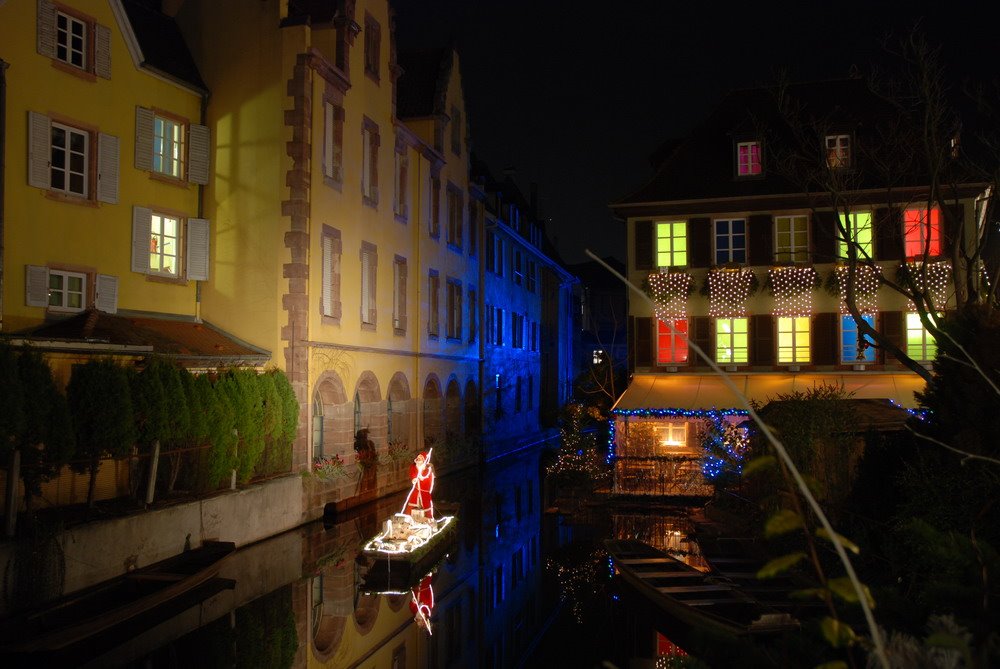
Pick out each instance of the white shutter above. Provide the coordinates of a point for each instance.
(142, 219)
(143, 138)
(107, 168)
(197, 249)
(39, 149)
(46, 26)
(36, 293)
(106, 299)
(102, 49)
(198, 152)
(327, 275)
(365, 284)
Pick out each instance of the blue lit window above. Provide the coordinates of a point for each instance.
(730, 241)
(850, 351)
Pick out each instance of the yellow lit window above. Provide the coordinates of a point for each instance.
(672, 435)
(164, 244)
(732, 340)
(793, 339)
(671, 244)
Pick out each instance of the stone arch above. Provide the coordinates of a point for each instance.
(453, 410)
(331, 600)
(432, 411)
(399, 410)
(368, 409)
(366, 613)
(473, 413)
(330, 429)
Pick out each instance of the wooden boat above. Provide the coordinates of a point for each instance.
(112, 605)
(407, 549)
(696, 598)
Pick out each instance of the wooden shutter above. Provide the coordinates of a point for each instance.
(39, 149)
(701, 335)
(365, 285)
(107, 168)
(142, 220)
(36, 293)
(645, 254)
(951, 224)
(198, 237)
(630, 333)
(106, 298)
(143, 138)
(372, 275)
(824, 236)
(762, 339)
(699, 233)
(760, 239)
(825, 350)
(644, 342)
(46, 28)
(198, 154)
(102, 51)
(402, 296)
(888, 233)
(326, 306)
(892, 328)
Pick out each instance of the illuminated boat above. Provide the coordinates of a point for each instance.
(408, 547)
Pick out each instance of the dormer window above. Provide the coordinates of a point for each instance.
(838, 151)
(748, 159)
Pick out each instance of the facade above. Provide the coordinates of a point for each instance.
(751, 266)
(296, 194)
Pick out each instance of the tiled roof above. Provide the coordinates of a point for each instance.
(186, 340)
(419, 91)
(163, 47)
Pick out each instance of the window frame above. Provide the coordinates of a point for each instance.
(849, 330)
(797, 328)
(669, 442)
(732, 335)
(65, 170)
(456, 209)
(333, 141)
(399, 297)
(925, 350)
(453, 309)
(675, 342)
(867, 246)
(368, 313)
(914, 239)
(331, 263)
(87, 39)
(373, 48)
(792, 252)
(838, 156)
(433, 303)
(750, 165)
(370, 143)
(180, 147)
(178, 238)
(671, 240)
(401, 163)
(65, 275)
(730, 236)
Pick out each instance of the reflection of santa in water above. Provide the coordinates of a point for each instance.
(422, 478)
(422, 602)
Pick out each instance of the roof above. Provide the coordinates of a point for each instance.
(188, 341)
(708, 391)
(162, 44)
(867, 414)
(420, 90)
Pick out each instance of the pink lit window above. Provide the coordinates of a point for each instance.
(922, 231)
(671, 345)
(748, 158)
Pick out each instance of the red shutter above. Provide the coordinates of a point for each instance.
(644, 252)
(699, 232)
(760, 238)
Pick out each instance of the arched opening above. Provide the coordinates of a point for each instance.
(368, 409)
(399, 411)
(331, 419)
(432, 414)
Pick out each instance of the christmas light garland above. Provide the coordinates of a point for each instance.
(729, 290)
(669, 291)
(792, 288)
(933, 279)
(867, 279)
(664, 413)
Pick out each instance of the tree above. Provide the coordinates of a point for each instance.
(11, 403)
(101, 405)
(47, 442)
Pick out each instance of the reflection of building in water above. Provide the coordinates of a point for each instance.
(670, 535)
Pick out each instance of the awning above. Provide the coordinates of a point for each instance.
(708, 391)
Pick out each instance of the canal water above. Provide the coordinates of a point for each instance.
(521, 585)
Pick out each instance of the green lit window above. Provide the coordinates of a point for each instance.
(859, 229)
(793, 339)
(732, 340)
(671, 244)
(920, 344)
(164, 244)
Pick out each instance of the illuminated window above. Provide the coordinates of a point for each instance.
(168, 147)
(853, 347)
(67, 290)
(164, 244)
(922, 232)
(748, 159)
(732, 340)
(859, 229)
(671, 244)
(838, 151)
(730, 241)
(920, 344)
(71, 40)
(672, 435)
(791, 237)
(793, 339)
(671, 343)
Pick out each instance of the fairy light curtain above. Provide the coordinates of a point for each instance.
(729, 290)
(867, 279)
(792, 288)
(670, 291)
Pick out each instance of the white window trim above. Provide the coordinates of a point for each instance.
(796, 335)
(731, 337)
(760, 158)
(66, 275)
(69, 131)
(792, 250)
(728, 235)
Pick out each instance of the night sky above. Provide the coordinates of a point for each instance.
(576, 96)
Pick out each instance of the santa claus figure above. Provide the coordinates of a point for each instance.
(422, 477)
(422, 602)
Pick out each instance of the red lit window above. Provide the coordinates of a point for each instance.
(671, 344)
(922, 231)
(748, 159)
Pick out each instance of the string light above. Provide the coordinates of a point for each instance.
(867, 279)
(792, 288)
(729, 290)
(670, 291)
(932, 278)
(416, 534)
